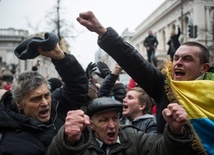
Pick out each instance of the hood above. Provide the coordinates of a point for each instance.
(11, 119)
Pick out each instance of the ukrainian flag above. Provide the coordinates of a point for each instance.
(197, 97)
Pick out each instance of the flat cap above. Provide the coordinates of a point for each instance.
(103, 104)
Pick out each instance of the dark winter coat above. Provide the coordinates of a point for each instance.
(151, 42)
(23, 135)
(175, 40)
(132, 142)
(146, 123)
(136, 66)
(111, 89)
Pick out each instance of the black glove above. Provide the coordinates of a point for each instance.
(90, 69)
(104, 69)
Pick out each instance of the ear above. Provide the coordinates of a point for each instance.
(142, 107)
(18, 105)
(91, 125)
(205, 68)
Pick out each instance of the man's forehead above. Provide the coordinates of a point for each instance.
(108, 113)
(187, 50)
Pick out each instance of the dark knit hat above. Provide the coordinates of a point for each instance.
(103, 104)
(27, 49)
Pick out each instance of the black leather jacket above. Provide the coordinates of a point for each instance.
(111, 89)
(144, 74)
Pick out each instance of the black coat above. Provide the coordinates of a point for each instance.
(144, 74)
(111, 89)
(151, 42)
(175, 40)
(23, 135)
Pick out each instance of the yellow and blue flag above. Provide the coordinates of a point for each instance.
(197, 97)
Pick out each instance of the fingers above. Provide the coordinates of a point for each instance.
(175, 113)
(75, 122)
(84, 17)
(89, 20)
(178, 112)
(55, 53)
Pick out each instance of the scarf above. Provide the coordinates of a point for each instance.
(197, 97)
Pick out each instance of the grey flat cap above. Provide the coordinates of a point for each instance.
(103, 104)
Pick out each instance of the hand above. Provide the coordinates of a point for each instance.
(89, 20)
(75, 122)
(55, 54)
(117, 70)
(37, 64)
(103, 68)
(90, 69)
(176, 116)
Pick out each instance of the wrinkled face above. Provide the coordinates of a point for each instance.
(131, 106)
(37, 104)
(186, 64)
(106, 126)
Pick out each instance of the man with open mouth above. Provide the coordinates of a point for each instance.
(30, 115)
(99, 133)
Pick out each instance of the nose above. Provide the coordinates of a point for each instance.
(44, 101)
(178, 61)
(124, 100)
(111, 124)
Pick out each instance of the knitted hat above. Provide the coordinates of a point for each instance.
(27, 49)
(103, 104)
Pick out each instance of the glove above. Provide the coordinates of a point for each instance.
(103, 68)
(90, 69)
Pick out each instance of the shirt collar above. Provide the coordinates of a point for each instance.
(101, 143)
(201, 77)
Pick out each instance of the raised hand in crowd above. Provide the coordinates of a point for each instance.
(103, 68)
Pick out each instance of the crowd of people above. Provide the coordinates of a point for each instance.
(74, 114)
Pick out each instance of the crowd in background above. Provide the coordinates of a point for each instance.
(76, 114)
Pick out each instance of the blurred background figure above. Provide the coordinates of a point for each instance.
(173, 43)
(151, 44)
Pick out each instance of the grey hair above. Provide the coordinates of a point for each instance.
(25, 82)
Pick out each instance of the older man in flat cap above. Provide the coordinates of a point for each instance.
(99, 133)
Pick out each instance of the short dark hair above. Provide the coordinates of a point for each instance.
(204, 53)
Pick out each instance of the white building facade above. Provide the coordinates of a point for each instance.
(166, 18)
(9, 39)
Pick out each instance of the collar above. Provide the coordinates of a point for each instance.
(201, 77)
(100, 143)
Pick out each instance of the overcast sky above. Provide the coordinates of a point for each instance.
(119, 14)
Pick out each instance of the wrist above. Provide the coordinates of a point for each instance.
(177, 132)
(101, 31)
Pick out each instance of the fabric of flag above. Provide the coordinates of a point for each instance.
(197, 97)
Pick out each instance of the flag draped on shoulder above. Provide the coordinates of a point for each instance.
(197, 97)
